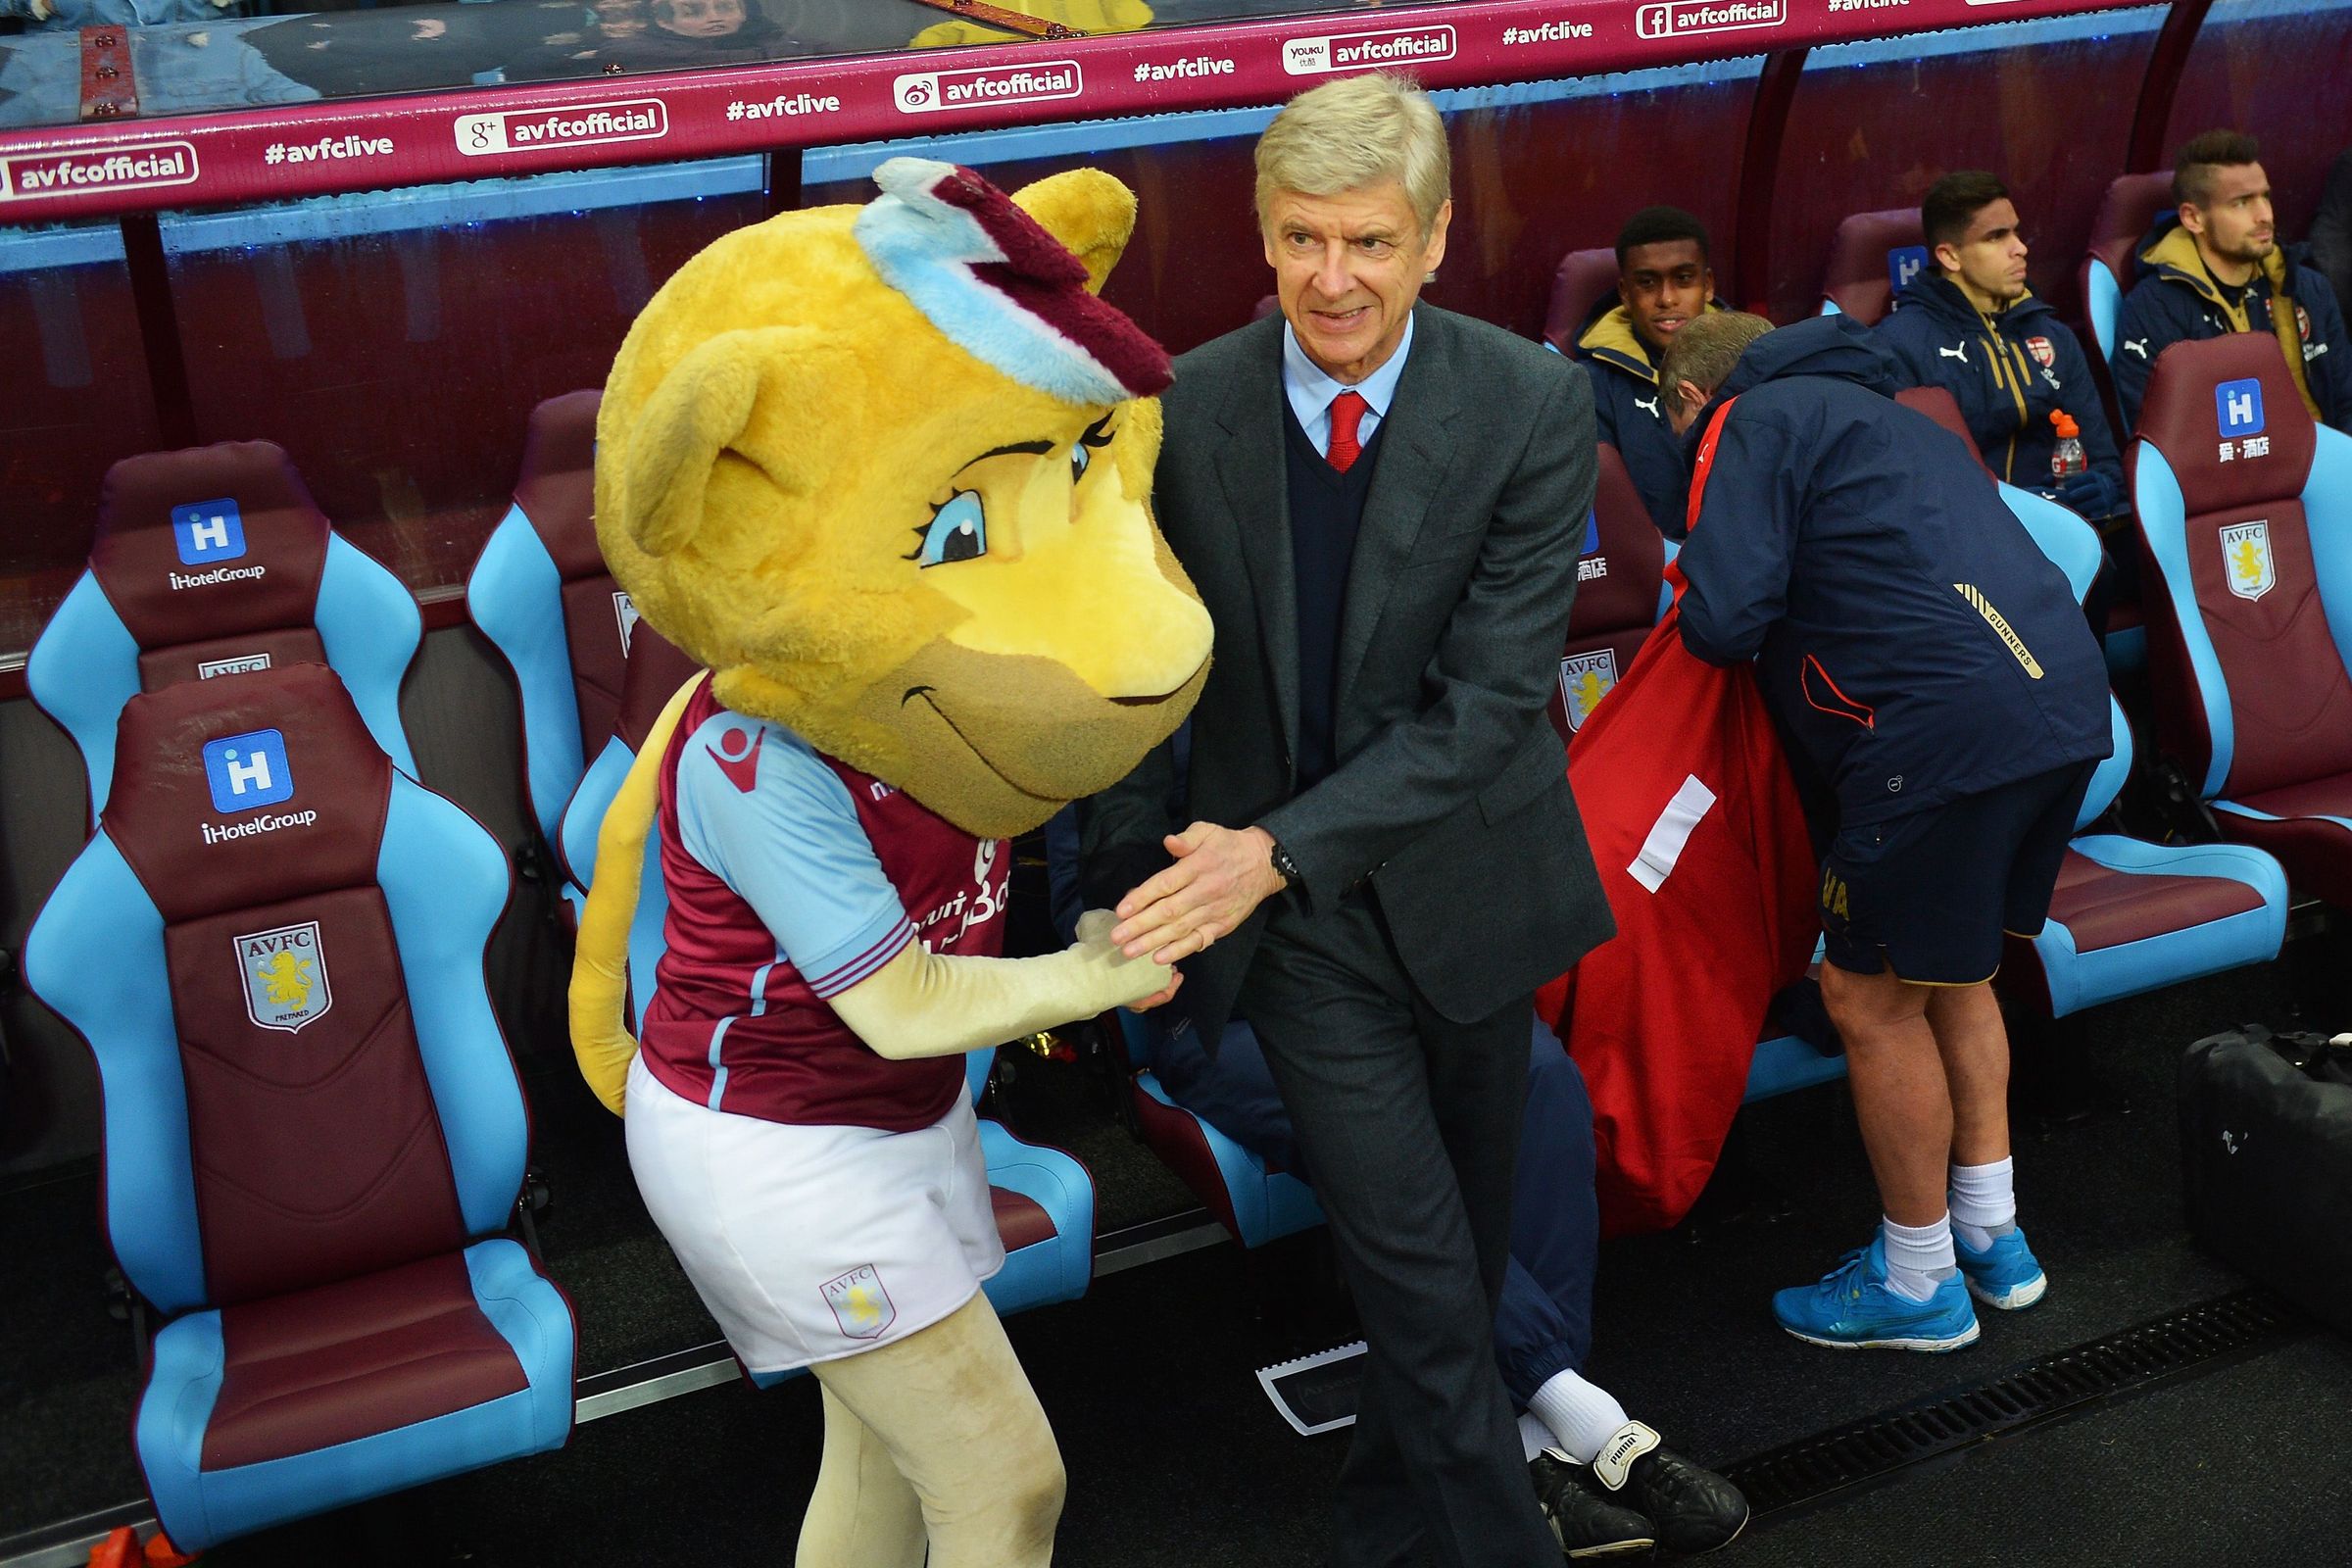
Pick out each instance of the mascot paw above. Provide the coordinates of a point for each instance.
(1133, 978)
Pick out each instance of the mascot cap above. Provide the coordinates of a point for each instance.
(1002, 288)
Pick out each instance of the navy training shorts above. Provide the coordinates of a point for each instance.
(1932, 894)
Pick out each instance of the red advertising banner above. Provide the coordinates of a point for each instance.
(362, 144)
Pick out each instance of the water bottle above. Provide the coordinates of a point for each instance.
(2067, 458)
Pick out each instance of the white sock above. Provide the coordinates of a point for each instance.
(1534, 1436)
(1984, 1201)
(1580, 1416)
(1918, 1256)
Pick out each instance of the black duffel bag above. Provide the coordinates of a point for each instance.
(2266, 1151)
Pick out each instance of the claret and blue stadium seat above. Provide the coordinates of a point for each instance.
(2125, 214)
(2129, 916)
(2244, 505)
(314, 1135)
(650, 675)
(1620, 595)
(207, 563)
(541, 593)
(1583, 278)
(1872, 255)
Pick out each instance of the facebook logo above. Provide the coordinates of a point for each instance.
(207, 531)
(2238, 405)
(1905, 263)
(248, 771)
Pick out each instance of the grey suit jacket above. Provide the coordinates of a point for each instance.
(1451, 795)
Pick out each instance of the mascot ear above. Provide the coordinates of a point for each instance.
(703, 406)
(1089, 212)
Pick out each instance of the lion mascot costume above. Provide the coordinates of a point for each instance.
(883, 472)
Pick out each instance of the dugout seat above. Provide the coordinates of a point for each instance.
(1619, 594)
(541, 593)
(1872, 255)
(2130, 916)
(1256, 1203)
(207, 563)
(2244, 506)
(650, 675)
(2131, 205)
(313, 1134)
(1938, 404)
(1582, 279)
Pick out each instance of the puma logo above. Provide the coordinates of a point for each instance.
(2232, 1142)
(1960, 354)
(1651, 406)
(2140, 347)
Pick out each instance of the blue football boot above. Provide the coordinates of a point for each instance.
(1851, 1308)
(2005, 1275)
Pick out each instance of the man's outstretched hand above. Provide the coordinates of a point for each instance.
(1220, 875)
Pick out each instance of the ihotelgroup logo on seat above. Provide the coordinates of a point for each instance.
(126, 167)
(246, 772)
(209, 534)
(524, 131)
(927, 92)
(1673, 20)
(1363, 51)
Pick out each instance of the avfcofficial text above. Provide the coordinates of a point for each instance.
(266, 822)
(204, 579)
(603, 123)
(1403, 46)
(174, 166)
(1011, 85)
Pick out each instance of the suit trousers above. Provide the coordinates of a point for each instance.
(1410, 1123)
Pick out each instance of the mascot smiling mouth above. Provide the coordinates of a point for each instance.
(1034, 733)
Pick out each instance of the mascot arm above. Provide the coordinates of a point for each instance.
(922, 1004)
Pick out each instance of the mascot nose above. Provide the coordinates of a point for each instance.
(1150, 657)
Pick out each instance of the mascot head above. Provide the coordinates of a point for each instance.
(883, 471)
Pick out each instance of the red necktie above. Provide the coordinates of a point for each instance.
(1347, 410)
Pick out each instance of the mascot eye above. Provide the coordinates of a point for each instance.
(957, 531)
(1082, 452)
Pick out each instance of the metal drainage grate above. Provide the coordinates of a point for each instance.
(2189, 1342)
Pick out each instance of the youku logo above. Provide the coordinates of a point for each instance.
(520, 130)
(1673, 20)
(97, 169)
(1363, 51)
(925, 92)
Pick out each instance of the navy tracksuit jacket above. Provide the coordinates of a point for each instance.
(1910, 638)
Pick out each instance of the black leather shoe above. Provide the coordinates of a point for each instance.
(1693, 1510)
(1586, 1524)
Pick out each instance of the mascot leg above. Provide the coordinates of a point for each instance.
(863, 1511)
(955, 1416)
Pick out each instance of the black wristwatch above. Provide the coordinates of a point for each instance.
(1284, 867)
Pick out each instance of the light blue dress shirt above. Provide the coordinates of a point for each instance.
(1310, 391)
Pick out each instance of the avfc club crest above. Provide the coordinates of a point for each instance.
(2044, 355)
(624, 611)
(860, 1306)
(286, 977)
(2246, 559)
(1585, 679)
